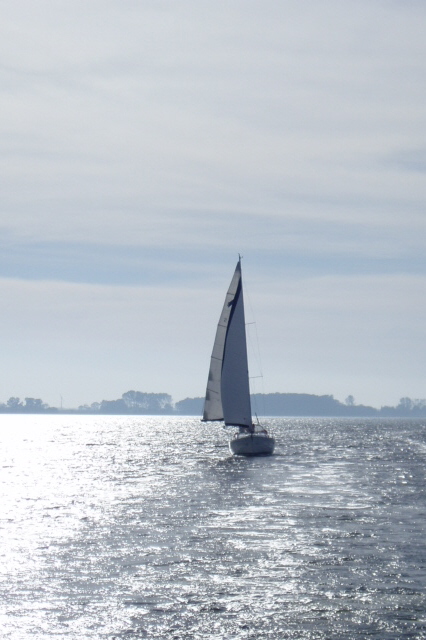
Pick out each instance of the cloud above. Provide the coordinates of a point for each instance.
(121, 119)
(145, 144)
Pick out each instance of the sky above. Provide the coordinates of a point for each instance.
(145, 144)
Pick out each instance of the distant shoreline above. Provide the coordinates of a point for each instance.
(135, 403)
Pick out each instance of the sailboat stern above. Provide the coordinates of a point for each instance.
(252, 444)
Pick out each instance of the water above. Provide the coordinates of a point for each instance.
(145, 527)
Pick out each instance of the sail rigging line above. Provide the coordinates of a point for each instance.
(254, 351)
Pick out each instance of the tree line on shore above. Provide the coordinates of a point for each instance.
(269, 404)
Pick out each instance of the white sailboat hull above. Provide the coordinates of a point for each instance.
(252, 444)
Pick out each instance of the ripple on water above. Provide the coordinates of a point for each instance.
(146, 527)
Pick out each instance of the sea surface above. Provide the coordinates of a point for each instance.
(146, 527)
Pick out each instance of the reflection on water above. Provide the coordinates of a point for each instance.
(117, 527)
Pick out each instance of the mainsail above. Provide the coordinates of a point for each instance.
(228, 392)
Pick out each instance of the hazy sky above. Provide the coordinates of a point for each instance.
(144, 144)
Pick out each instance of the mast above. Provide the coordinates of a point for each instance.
(228, 392)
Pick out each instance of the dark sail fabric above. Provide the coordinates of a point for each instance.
(228, 393)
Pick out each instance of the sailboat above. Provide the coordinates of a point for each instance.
(228, 390)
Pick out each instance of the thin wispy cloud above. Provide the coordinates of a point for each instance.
(146, 144)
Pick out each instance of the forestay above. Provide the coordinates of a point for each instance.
(228, 392)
